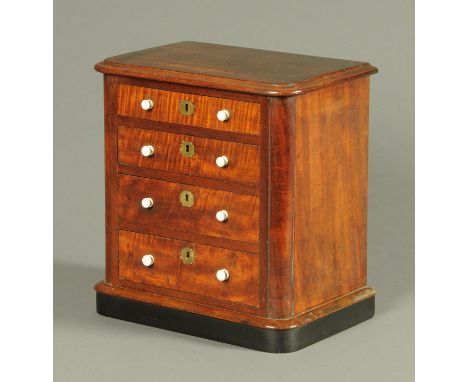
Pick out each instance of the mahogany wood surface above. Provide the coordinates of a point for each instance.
(243, 159)
(295, 187)
(281, 209)
(188, 297)
(242, 188)
(234, 68)
(244, 116)
(198, 278)
(133, 246)
(330, 193)
(110, 149)
(189, 130)
(243, 210)
(194, 237)
(264, 212)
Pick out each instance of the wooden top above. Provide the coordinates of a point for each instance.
(233, 68)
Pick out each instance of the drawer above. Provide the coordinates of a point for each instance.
(196, 276)
(132, 248)
(244, 117)
(189, 208)
(188, 155)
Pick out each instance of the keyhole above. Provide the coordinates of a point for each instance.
(187, 148)
(186, 107)
(187, 255)
(186, 199)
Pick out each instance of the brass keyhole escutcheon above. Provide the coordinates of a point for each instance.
(187, 255)
(187, 149)
(186, 198)
(186, 107)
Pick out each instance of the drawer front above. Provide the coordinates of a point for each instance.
(132, 248)
(244, 117)
(188, 155)
(189, 208)
(198, 276)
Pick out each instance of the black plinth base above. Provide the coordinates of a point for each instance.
(267, 340)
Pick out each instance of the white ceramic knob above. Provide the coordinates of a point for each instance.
(147, 151)
(222, 216)
(222, 275)
(147, 202)
(222, 161)
(223, 115)
(146, 104)
(147, 260)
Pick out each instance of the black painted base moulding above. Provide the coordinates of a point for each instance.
(267, 340)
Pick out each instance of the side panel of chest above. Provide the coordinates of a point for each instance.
(318, 197)
(330, 193)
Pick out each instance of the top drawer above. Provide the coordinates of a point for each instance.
(197, 110)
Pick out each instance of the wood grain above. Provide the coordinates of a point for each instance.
(295, 187)
(264, 193)
(233, 68)
(330, 193)
(184, 88)
(133, 246)
(243, 159)
(189, 130)
(281, 207)
(194, 237)
(198, 278)
(188, 297)
(241, 188)
(111, 197)
(244, 116)
(243, 210)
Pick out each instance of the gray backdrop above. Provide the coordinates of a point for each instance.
(89, 347)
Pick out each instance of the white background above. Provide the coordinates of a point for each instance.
(26, 190)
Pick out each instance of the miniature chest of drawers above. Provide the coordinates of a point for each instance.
(236, 193)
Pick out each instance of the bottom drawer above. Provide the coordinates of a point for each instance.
(189, 267)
